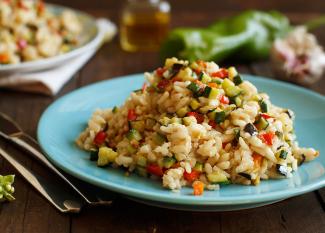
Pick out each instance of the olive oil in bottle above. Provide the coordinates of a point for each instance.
(144, 25)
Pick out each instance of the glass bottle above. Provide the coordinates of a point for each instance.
(144, 25)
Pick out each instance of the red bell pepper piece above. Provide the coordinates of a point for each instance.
(268, 138)
(132, 116)
(154, 169)
(224, 99)
(265, 116)
(222, 73)
(100, 138)
(212, 123)
(160, 71)
(199, 117)
(190, 177)
(163, 84)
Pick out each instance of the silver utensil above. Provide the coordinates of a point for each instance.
(63, 198)
(10, 130)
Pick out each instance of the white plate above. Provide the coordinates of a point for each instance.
(89, 38)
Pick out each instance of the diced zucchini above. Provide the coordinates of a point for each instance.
(182, 111)
(237, 80)
(230, 88)
(216, 80)
(228, 109)
(93, 155)
(195, 88)
(282, 154)
(164, 121)
(256, 97)
(207, 91)
(245, 175)
(187, 121)
(262, 124)
(212, 114)
(237, 133)
(115, 109)
(133, 134)
(214, 93)
(251, 129)
(225, 182)
(131, 149)
(220, 117)
(142, 161)
(236, 100)
(168, 162)
(150, 123)
(216, 177)
(195, 104)
(159, 139)
(176, 120)
(138, 125)
(204, 78)
(105, 156)
(198, 167)
(279, 134)
(232, 72)
(141, 171)
(263, 106)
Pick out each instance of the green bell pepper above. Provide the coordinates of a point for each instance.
(248, 36)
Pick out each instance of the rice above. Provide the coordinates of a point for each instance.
(197, 122)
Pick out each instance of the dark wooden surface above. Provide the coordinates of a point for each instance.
(30, 213)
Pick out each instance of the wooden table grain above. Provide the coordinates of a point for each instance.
(30, 213)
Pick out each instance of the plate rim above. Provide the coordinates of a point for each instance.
(181, 199)
(29, 65)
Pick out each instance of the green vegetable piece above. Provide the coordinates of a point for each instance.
(238, 80)
(216, 177)
(217, 80)
(138, 125)
(195, 88)
(236, 100)
(214, 93)
(168, 162)
(204, 78)
(198, 167)
(6, 188)
(263, 106)
(150, 123)
(246, 37)
(220, 117)
(194, 104)
(131, 149)
(105, 156)
(245, 175)
(283, 154)
(133, 134)
(176, 120)
(93, 155)
(182, 111)
(159, 139)
(142, 161)
(164, 121)
(207, 91)
(262, 124)
(141, 171)
(115, 109)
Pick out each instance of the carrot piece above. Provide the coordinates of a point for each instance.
(4, 58)
(213, 85)
(257, 158)
(198, 188)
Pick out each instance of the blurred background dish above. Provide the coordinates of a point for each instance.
(86, 38)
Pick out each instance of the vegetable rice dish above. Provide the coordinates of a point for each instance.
(28, 31)
(196, 124)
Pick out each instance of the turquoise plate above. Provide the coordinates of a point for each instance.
(62, 122)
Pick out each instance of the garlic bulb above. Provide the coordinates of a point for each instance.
(298, 57)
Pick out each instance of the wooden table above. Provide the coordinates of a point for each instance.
(31, 213)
